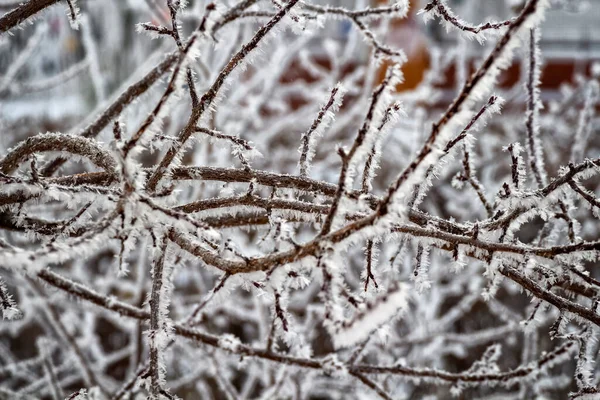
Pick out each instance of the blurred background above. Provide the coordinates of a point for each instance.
(55, 64)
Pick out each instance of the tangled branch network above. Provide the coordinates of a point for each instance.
(169, 241)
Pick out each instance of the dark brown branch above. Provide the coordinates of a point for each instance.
(23, 12)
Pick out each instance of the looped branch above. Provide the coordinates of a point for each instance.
(49, 142)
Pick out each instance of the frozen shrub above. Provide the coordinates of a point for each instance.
(241, 209)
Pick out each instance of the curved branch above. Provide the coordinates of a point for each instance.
(76, 145)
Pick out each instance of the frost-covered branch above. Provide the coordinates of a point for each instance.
(22, 12)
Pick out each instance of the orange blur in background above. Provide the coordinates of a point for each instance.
(405, 33)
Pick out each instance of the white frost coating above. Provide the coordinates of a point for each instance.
(265, 105)
(147, 28)
(460, 263)
(448, 132)
(11, 313)
(517, 185)
(495, 279)
(249, 154)
(371, 259)
(73, 13)
(333, 366)
(229, 342)
(332, 270)
(24, 56)
(320, 125)
(372, 133)
(452, 22)
(587, 396)
(31, 261)
(420, 274)
(382, 310)
(595, 70)
(534, 105)
(503, 60)
(584, 127)
(160, 336)
(391, 116)
(165, 105)
(82, 394)
(239, 67)
(480, 91)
